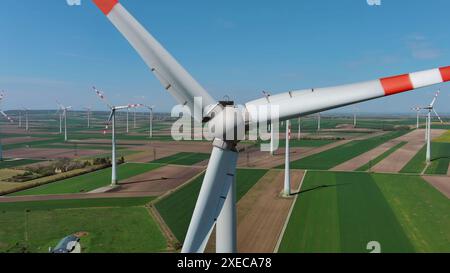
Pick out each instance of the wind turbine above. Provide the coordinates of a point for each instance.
(112, 120)
(134, 119)
(26, 119)
(287, 171)
(88, 115)
(318, 122)
(355, 110)
(272, 132)
(430, 109)
(128, 120)
(417, 109)
(216, 203)
(2, 96)
(63, 114)
(151, 107)
(20, 119)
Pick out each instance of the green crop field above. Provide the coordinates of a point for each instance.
(440, 160)
(36, 226)
(379, 158)
(178, 207)
(90, 181)
(8, 163)
(343, 212)
(183, 159)
(333, 157)
(304, 142)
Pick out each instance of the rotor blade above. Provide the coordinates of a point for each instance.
(434, 99)
(437, 115)
(300, 103)
(213, 192)
(102, 96)
(111, 115)
(136, 105)
(174, 78)
(6, 116)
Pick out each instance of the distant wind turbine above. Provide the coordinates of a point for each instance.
(112, 120)
(63, 114)
(2, 96)
(430, 109)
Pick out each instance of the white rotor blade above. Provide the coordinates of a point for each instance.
(434, 99)
(437, 115)
(111, 116)
(304, 102)
(6, 116)
(213, 192)
(174, 78)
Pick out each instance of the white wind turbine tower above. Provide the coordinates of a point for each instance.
(430, 109)
(112, 120)
(216, 203)
(318, 122)
(273, 134)
(60, 121)
(128, 120)
(2, 96)
(150, 107)
(27, 127)
(63, 115)
(88, 115)
(355, 110)
(417, 109)
(287, 169)
(20, 119)
(134, 119)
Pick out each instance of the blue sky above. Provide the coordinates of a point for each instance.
(51, 51)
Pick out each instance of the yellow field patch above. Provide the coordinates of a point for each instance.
(444, 137)
(8, 173)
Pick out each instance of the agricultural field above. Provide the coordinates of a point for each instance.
(373, 162)
(443, 138)
(177, 208)
(440, 160)
(343, 212)
(36, 226)
(333, 157)
(12, 163)
(303, 143)
(90, 181)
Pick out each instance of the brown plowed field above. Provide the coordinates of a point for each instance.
(397, 160)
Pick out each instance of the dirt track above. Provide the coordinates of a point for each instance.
(159, 181)
(441, 183)
(397, 160)
(262, 213)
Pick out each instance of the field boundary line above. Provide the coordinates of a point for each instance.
(172, 241)
(286, 222)
(166, 194)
